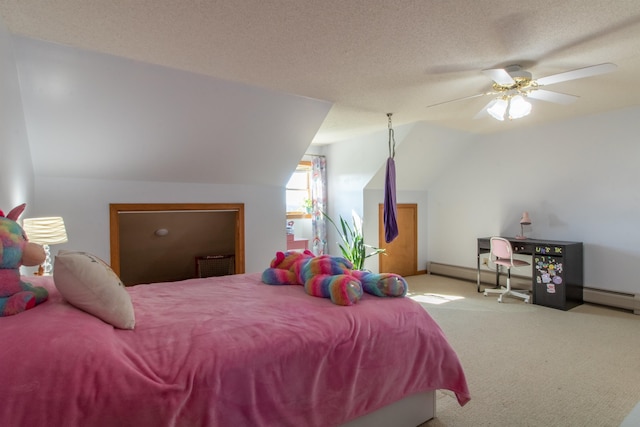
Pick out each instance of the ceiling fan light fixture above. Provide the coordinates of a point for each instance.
(519, 107)
(497, 108)
(512, 86)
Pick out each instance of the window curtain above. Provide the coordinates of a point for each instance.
(319, 203)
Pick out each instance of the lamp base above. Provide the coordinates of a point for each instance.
(521, 237)
(46, 268)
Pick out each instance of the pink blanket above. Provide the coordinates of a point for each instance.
(226, 351)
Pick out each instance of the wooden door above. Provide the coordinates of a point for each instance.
(402, 253)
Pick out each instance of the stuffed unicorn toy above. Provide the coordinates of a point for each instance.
(17, 296)
(331, 277)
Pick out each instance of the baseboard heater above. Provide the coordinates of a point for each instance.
(622, 300)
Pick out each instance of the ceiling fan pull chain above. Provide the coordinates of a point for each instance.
(392, 139)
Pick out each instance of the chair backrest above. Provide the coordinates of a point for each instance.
(501, 248)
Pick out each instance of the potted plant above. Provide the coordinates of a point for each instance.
(353, 247)
(307, 204)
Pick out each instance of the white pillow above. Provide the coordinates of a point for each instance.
(89, 284)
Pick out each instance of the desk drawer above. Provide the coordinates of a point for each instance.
(522, 248)
(484, 245)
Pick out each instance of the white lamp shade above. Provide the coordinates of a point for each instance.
(497, 109)
(519, 107)
(46, 230)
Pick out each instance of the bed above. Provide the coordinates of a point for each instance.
(225, 351)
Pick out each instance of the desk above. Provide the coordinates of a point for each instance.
(556, 270)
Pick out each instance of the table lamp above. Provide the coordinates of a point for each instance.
(45, 231)
(525, 220)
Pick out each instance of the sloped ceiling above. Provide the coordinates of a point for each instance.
(367, 57)
(425, 153)
(91, 115)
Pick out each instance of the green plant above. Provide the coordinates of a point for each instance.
(353, 247)
(307, 204)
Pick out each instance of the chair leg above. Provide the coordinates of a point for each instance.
(524, 296)
(498, 289)
(507, 291)
(511, 292)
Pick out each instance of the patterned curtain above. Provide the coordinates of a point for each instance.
(319, 199)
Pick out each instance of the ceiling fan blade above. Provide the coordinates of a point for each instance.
(579, 73)
(459, 99)
(500, 76)
(549, 96)
(483, 113)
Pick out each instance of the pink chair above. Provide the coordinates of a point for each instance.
(502, 255)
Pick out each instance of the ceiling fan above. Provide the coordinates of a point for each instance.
(512, 86)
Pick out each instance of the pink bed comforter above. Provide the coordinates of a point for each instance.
(222, 352)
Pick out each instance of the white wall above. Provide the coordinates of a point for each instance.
(84, 205)
(97, 116)
(356, 171)
(16, 171)
(351, 165)
(423, 155)
(104, 129)
(579, 180)
(302, 229)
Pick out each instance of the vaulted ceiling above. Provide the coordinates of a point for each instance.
(367, 57)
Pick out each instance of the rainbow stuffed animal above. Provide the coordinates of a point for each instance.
(331, 277)
(17, 296)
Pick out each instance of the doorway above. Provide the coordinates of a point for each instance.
(401, 255)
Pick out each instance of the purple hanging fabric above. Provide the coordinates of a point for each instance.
(390, 208)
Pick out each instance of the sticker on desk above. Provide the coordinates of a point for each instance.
(551, 288)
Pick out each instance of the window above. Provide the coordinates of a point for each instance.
(299, 192)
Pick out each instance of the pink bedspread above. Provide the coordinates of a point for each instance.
(222, 352)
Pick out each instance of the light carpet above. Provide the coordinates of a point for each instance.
(529, 365)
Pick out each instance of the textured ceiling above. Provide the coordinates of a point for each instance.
(368, 57)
